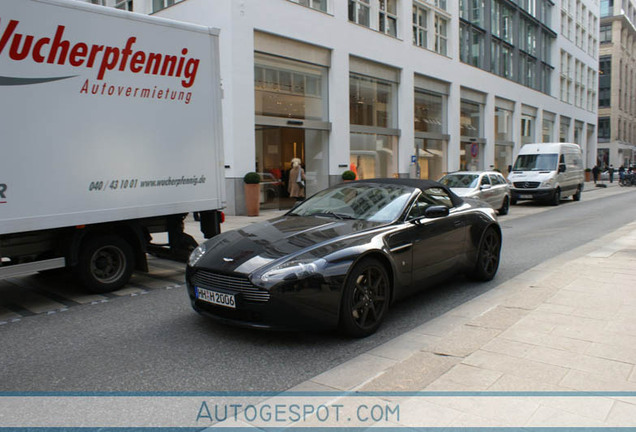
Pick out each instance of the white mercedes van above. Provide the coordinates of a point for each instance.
(548, 172)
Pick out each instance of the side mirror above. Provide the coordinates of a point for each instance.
(485, 187)
(561, 168)
(509, 168)
(433, 212)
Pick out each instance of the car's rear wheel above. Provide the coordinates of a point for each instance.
(365, 299)
(504, 207)
(577, 194)
(488, 256)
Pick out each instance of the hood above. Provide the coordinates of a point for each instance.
(248, 249)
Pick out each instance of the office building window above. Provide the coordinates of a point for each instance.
(607, 8)
(604, 128)
(388, 17)
(472, 46)
(606, 33)
(289, 89)
(372, 102)
(320, 5)
(360, 12)
(162, 4)
(472, 11)
(429, 112)
(420, 23)
(527, 129)
(441, 35)
(605, 81)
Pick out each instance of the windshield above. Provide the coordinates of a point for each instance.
(370, 202)
(536, 162)
(460, 180)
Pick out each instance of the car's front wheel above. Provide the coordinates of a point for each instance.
(488, 256)
(365, 299)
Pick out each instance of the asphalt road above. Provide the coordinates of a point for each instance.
(155, 342)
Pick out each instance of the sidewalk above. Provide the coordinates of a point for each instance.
(567, 325)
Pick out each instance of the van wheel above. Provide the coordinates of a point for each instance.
(577, 195)
(105, 263)
(504, 207)
(556, 199)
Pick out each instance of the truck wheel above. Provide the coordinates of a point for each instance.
(577, 195)
(105, 264)
(556, 199)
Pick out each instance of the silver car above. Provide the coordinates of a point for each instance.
(489, 186)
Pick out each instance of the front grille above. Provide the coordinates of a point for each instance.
(234, 284)
(527, 185)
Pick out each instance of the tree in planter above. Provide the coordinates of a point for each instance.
(348, 175)
(252, 182)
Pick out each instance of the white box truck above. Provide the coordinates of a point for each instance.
(110, 131)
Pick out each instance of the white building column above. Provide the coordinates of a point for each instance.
(339, 138)
(516, 130)
(406, 121)
(489, 132)
(454, 129)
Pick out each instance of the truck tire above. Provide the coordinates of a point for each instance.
(105, 263)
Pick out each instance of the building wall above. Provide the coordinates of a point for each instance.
(241, 20)
(620, 49)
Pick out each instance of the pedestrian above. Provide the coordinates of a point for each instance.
(611, 173)
(296, 185)
(621, 174)
(595, 172)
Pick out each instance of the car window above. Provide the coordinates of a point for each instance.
(429, 197)
(496, 179)
(460, 180)
(485, 180)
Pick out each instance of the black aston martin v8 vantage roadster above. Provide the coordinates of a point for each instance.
(340, 258)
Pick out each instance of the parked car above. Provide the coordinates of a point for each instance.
(489, 186)
(339, 258)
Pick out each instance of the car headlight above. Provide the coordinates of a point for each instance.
(547, 183)
(196, 255)
(292, 270)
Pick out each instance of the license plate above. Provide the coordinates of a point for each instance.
(525, 196)
(215, 297)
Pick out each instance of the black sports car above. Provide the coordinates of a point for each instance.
(342, 256)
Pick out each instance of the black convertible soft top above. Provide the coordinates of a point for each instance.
(417, 184)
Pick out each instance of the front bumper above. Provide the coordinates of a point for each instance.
(532, 194)
(312, 303)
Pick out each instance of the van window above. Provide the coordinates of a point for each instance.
(536, 162)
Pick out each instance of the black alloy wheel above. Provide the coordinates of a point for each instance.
(365, 299)
(488, 257)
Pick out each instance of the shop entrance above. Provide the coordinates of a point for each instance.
(275, 149)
